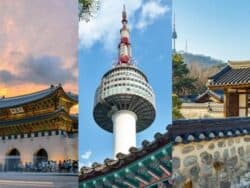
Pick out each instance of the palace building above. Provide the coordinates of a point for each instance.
(38, 127)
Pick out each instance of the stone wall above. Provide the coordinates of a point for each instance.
(214, 163)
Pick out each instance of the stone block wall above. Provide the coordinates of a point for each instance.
(223, 162)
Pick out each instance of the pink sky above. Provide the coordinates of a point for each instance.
(38, 45)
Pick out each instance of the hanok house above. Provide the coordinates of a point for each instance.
(209, 104)
(234, 79)
(37, 127)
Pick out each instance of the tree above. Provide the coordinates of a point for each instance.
(183, 84)
(176, 114)
(87, 8)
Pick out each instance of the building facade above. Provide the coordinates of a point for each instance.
(234, 79)
(37, 127)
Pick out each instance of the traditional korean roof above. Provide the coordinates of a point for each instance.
(28, 98)
(36, 118)
(141, 166)
(209, 95)
(184, 131)
(188, 98)
(234, 74)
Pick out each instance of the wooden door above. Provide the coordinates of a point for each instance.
(233, 105)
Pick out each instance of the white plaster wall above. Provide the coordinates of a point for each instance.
(190, 113)
(58, 147)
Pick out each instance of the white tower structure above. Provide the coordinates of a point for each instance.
(124, 101)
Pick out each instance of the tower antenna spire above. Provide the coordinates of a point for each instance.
(124, 14)
(124, 47)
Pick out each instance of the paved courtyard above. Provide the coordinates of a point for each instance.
(38, 180)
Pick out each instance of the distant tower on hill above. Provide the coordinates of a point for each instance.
(124, 101)
(174, 35)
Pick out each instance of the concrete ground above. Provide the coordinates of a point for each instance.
(38, 180)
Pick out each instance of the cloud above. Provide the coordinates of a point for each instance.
(104, 28)
(32, 31)
(86, 155)
(44, 70)
(81, 164)
(150, 12)
(7, 76)
(40, 70)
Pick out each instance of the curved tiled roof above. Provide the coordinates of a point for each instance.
(208, 93)
(235, 73)
(123, 160)
(7, 123)
(24, 99)
(205, 129)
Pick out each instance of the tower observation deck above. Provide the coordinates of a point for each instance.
(124, 101)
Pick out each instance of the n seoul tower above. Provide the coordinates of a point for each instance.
(124, 101)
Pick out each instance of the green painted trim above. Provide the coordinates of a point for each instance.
(166, 149)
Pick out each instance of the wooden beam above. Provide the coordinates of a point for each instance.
(165, 170)
(141, 180)
(128, 184)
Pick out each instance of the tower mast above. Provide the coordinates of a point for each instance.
(124, 46)
(124, 101)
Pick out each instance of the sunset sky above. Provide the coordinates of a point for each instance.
(38, 45)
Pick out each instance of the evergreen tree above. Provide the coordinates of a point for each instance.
(176, 114)
(183, 84)
(87, 8)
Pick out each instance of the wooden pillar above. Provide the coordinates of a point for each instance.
(243, 106)
(226, 103)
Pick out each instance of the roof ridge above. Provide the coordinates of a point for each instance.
(29, 94)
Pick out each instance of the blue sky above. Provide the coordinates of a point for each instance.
(150, 26)
(216, 28)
